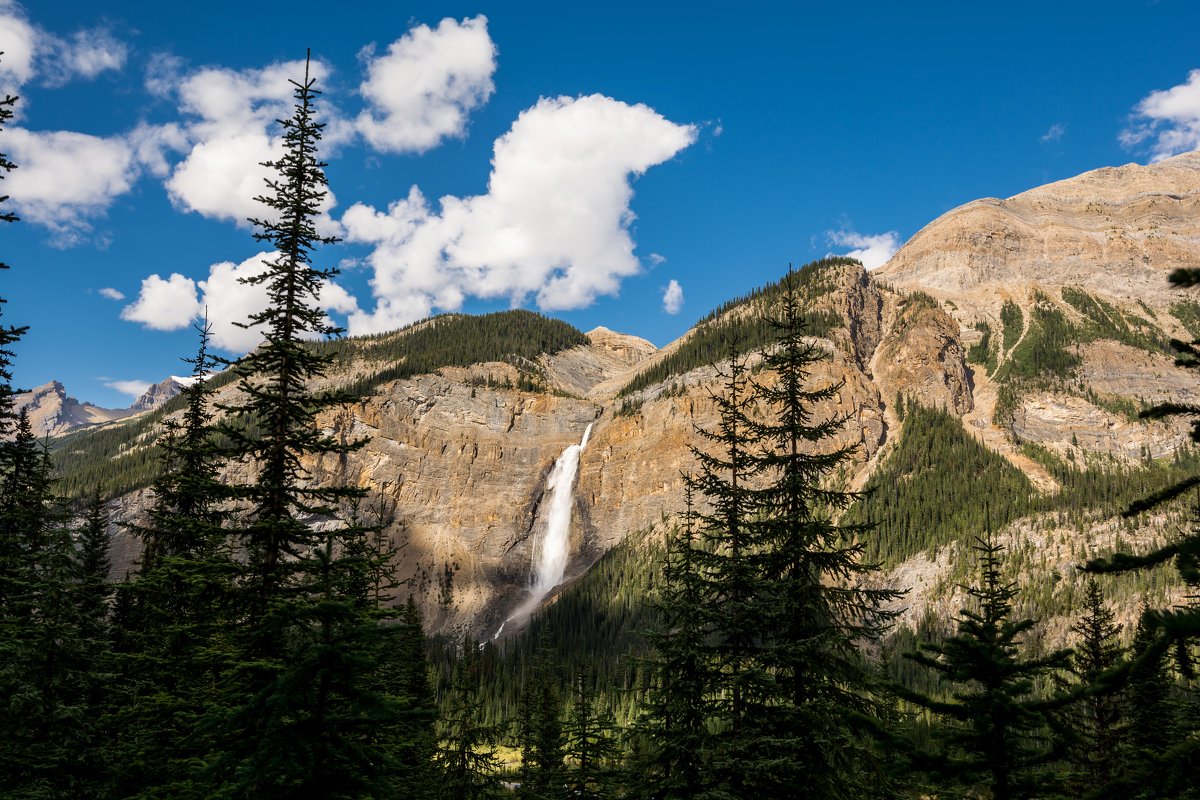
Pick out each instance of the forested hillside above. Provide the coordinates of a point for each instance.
(328, 583)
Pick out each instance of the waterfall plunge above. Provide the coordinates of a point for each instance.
(550, 554)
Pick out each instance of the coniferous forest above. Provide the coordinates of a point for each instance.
(263, 647)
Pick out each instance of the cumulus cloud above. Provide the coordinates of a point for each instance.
(176, 302)
(67, 177)
(111, 294)
(1166, 122)
(134, 388)
(231, 117)
(164, 305)
(1054, 134)
(554, 222)
(872, 250)
(424, 87)
(30, 51)
(18, 42)
(672, 298)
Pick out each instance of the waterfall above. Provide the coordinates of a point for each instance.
(550, 554)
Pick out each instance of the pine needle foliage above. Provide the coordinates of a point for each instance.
(996, 732)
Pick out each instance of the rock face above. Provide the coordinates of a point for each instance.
(158, 394)
(462, 468)
(1118, 231)
(52, 413)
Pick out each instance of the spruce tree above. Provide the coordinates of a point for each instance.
(1094, 727)
(678, 706)
(591, 749)
(49, 670)
(172, 619)
(468, 768)
(781, 584)
(540, 730)
(996, 725)
(304, 704)
(9, 334)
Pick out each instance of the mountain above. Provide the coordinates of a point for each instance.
(53, 413)
(159, 393)
(992, 372)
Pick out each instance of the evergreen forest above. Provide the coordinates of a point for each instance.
(262, 647)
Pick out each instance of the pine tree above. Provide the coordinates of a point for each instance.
(591, 745)
(997, 726)
(468, 768)
(1095, 725)
(540, 731)
(94, 566)
(303, 708)
(676, 713)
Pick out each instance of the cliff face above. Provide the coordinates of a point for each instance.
(52, 413)
(462, 468)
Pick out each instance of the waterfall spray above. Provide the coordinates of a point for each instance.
(550, 554)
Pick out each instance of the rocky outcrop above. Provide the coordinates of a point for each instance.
(921, 357)
(52, 412)
(1118, 231)
(157, 394)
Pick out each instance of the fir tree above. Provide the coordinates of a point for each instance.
(468, 768)
(172, 619)
(590, 733)
(676, 713)
(1095, 725)
(780, 588)
(997, 726)
(9, 334)
(49, 670)
(304, 708)
(540, 730)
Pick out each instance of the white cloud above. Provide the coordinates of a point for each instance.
(18, 42)
(134, 388)
(872, 250)
(672, 298)
(164, 305)
(86, 54)
(111, 294)
(422, 90)
(1169, 119)
(178, 301)
(30, 51)
(554, 223)
(65, 177)
(655, 259)
(1054, 134)
(233, 115)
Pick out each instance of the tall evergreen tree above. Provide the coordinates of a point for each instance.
(678, 706)
(468, 768)
(540, 730)
(997, 725)
(781, 591)
(48, 668)
(590, 733)
(1095, 726)
(9, 334)
(305, 703)
(172, 619)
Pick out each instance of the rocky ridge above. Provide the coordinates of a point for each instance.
(462, 461)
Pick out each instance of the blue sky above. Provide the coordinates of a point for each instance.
(648, 157)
